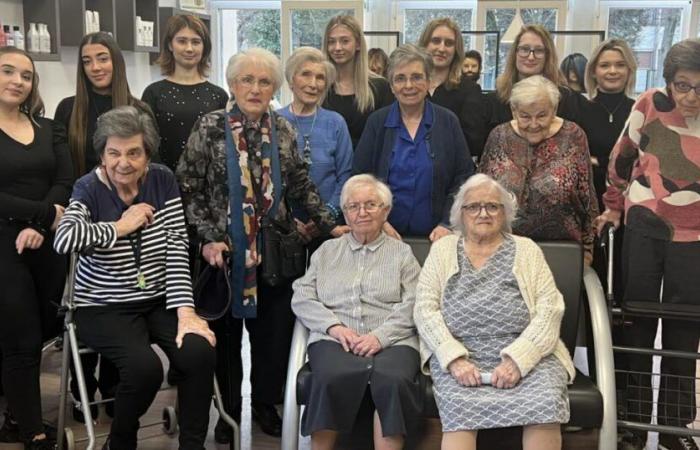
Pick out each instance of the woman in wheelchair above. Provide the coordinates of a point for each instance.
(488, 314)
(129, 211)
(357, 300)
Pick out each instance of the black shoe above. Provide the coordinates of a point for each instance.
(10, 430)
(266, 416)
(78, 415)
(672, 442)
(628, 440)
(105, 446)
(40, 444)
(223, 433)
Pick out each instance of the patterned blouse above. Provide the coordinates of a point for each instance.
(552, 181)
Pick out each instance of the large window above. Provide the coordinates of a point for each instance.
(650, 30)
(308, 25)
(415, 15)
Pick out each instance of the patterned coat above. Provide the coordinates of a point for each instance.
(202, 175)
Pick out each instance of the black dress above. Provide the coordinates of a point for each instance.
(466, 101)
(176, 108)
(346, 107)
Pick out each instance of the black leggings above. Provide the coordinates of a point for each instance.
(28, 284)
(124, 333)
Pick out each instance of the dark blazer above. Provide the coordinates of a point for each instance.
(452, 163)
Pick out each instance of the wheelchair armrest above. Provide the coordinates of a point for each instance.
(290, 415)
(604, 363)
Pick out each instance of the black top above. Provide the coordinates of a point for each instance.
(498, 112)
(466, 102)
(601, 133)
(346, 107)
(99, 104)
(36, 176)
(176, 108)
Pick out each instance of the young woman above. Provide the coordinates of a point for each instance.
(184, 95)
(442, 38)
(357, 92)
(35, 183)
(100, 86)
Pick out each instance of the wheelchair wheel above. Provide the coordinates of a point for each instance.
(68, 439)
(169, 420)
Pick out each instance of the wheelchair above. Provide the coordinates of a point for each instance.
(72, 349)
(593, 404)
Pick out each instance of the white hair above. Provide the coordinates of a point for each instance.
(259, 57)
(510, 202)
(303, 55)
(366, 179)
(533, 89)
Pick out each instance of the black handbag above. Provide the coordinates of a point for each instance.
(211, 290)
(283, 253)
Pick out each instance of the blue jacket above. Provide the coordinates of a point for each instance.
(452, 162)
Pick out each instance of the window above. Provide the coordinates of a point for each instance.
(308, 25)
(415, 21)
(650, 31)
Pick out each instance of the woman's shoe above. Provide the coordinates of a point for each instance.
(40, 444)
(9, 432)
(672, 442)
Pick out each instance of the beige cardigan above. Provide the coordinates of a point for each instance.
(536, 283)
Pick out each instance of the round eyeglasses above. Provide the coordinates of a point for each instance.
(474, 209)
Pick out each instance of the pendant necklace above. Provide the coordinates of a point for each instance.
(610, 113)
(305, 136)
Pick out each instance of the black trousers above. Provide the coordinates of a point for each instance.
(647, 264)
(270, 337)
(29, 283)
(124, 333)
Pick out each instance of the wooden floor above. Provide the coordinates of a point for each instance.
(252, 438)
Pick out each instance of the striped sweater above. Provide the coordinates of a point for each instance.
(109, 274)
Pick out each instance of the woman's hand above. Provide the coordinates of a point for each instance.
(213, 253)
(340, 230)
(59, 215)
(439, 232)
(388, 229)
(136, 216)
(608, 216)
(587, 258)
(28, 238)
(301, 229)
(344, 335)
(366, 345)
(189, 322)
(466, 373)
(506, 375)
(594, 161)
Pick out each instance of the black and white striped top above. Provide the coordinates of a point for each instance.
(109, 274)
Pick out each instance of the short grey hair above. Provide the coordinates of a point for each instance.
(406, 54)
(126, 122)
(510, 202)
(684, 55)
(533, 89)
(304, 55)
(256, 56)
(366, 179)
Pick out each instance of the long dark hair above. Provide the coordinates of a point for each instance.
(32, 106)
(121, 95)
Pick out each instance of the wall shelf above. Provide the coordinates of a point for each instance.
(126, 23)
(44, 11)
(76, 9)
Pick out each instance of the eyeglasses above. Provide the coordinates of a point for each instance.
(438, 40)
(370, 207)
(416, 78)
(684, 88)
(474, 209)
(250, 81)
(524, 51)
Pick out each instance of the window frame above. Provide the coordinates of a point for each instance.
(404, 5)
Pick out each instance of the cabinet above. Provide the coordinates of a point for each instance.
(75, 10)
(44, 11)
(166, 13)
(126, 23)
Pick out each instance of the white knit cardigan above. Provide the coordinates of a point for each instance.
(536, 283)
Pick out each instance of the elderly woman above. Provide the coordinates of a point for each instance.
(653, 175)
(127, 297)
(544, 160)
(361, 327)
(323, 139)
(241, 164)
(416, 147)
(442, 39)
(488, 313)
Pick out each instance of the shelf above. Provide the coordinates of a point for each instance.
(44, 11)
(166, 12)
(126, 23)
(76, 8)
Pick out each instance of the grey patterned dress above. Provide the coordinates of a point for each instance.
(486, 312)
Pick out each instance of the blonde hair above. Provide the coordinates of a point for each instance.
(364, 97)
(510, 76)
(303, 55)
(454, 76)
(624, 49)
